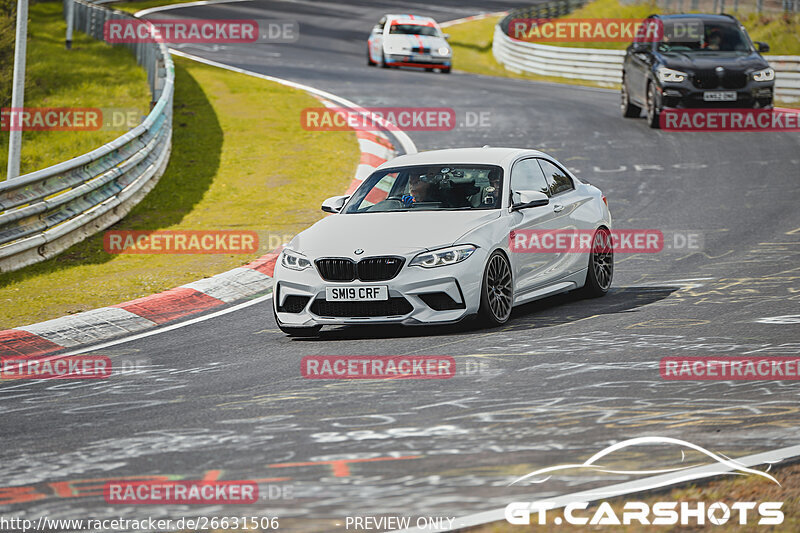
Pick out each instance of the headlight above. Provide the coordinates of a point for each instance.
(445, 256)
(444, 51)
(294, 260)
(767, 74)
(667, 75)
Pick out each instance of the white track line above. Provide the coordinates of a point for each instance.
(619, 489)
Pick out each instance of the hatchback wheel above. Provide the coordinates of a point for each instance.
(497, 294)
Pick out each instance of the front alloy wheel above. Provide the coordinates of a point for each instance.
(497, 294)
(629, 110)
(652, 111)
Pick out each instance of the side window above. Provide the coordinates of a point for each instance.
(557, 179)
(527, 176)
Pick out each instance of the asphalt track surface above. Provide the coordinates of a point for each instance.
(565, 378)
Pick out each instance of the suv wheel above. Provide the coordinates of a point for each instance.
(652, 111)
(629, 110)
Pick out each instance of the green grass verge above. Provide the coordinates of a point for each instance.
(92, 74)
(240, 160)
(727, 490)
(133, 7)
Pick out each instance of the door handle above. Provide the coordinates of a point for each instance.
(558, 208)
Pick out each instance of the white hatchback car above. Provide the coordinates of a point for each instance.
(434, 238)
(409, 41)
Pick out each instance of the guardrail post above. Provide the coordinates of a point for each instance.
(18, 89)
(70, 9)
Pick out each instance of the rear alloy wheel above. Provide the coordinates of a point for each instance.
(601, 265)
(652, 111)
(629, 110)
(497, 295)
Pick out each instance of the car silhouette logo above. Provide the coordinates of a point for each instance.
(359, 251)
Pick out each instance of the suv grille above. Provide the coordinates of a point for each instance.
(397, 306)
(710, 80)
(368, 269)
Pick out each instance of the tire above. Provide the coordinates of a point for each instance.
(383, 60)
(652, 111)
(308, 331)
(601, 265)
(629, 110)
(497, 293)
(370, 62)
(445, 70)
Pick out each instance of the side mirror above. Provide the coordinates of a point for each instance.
(526, 199)
(378, 31)
(334, 204)
(761, 47)
(446, 36)
(641, 48)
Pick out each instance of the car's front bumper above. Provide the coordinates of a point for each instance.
(417, 60)
(299, 297)
(686, 96)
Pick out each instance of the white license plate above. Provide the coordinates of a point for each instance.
(719, 96)
(357, 294)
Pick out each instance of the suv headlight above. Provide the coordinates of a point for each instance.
(444, 256)
(667, 75)
(766, 74)
(443, 51)
(294, 260)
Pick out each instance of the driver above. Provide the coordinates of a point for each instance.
(490, 195)
(714, 41)
(423, 188)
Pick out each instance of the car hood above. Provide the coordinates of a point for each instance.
(388, 233)
(732, 61)
(413, 41)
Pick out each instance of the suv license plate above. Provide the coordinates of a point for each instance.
(357, 294)
(719, 96)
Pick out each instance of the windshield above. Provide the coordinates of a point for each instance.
(715, 38)
(413, 29)
(429, 188)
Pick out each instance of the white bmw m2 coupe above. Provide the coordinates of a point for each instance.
(440, 236)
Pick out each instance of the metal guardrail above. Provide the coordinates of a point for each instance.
(45, 212)
(597, 64)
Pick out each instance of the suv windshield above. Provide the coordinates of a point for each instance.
(413, 29)
(717, 37)
(429, 188)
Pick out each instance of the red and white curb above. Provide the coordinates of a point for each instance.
(97, 325)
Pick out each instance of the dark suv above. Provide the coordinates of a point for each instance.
(696, 61)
